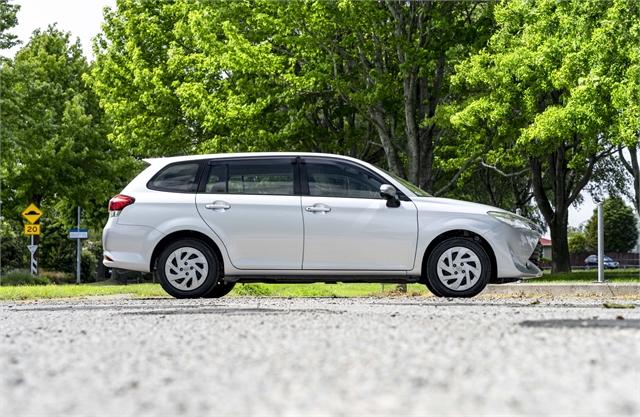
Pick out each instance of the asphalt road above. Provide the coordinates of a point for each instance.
(264, 356)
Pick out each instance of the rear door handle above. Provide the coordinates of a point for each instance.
(318, 208)
(218, 206)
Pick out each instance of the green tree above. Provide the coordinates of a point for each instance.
(620, 226)
(359, 78)
(619, 38)
(54, 142)
(541, 95)
(8, 20)
(578, 242)
(54, 147)
(13, 250)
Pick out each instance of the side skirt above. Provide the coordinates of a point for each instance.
(327, 279)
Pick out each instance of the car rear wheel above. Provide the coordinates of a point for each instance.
(458, 267)
(188, 268)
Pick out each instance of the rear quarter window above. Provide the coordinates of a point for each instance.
(178, 178)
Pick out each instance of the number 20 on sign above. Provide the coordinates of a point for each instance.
(31, 229)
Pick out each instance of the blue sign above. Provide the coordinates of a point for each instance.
(76, 233)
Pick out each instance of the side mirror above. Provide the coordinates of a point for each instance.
(389, 193)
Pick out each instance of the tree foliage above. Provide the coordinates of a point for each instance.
(578, 243)
(8, 19)
(542, 97)
(54, 133)
(520, 104)
(55, 151)
(360, 78)
(620, 227)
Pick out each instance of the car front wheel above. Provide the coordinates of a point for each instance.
(220, 290)
(458, 267)
(188, 268)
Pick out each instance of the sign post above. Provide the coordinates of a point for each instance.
(32, 213)
(600, 243)
(78, 234)
(34, 263)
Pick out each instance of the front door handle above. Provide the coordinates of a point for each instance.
(318, 208)
(218, 206)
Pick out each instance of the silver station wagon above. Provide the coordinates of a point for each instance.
(203, 223)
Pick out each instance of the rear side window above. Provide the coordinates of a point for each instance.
(217, 181)
(179, 178)
(264, 176)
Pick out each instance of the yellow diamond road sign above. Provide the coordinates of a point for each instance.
(32, 213)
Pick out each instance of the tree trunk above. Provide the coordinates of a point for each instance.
(556, 219)
(559, 244)
(633, 167)
(636, 176)
(411, 127)
(393, 160)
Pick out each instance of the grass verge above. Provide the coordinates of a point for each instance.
(591, 275)
(34, 292)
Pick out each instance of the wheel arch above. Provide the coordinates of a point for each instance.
(185, 234)
(464, 234)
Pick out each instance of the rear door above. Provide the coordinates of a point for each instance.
(251, 204)
(348, 225)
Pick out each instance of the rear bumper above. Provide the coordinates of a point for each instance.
(129, 247)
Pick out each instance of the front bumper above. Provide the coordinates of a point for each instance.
(513, 249)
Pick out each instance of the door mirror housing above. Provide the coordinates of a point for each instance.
(389, 193)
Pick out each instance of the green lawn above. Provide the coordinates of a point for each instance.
(32, 292)
(612, 275)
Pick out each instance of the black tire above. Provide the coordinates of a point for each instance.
(220, 290)
(431, 289)
(209, 281)
(440, 287)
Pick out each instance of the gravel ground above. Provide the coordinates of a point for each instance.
(366, 356)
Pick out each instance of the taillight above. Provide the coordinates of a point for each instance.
(120, 201)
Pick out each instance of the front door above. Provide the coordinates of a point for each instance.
(251, 205)
(347, 224)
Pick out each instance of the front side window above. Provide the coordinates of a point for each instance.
(336, 179)
(180, 178)
(264, 176)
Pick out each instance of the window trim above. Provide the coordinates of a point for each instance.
(198, 177)
(293, 160)
(300, 185)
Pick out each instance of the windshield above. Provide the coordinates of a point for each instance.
(419, 192)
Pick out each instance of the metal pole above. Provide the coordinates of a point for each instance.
(600, 243)
(1, 224)
(78, 251)
(33, 265)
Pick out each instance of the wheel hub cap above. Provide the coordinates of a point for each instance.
(186, 268)
(459, 268)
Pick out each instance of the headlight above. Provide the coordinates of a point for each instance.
(514, 220)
